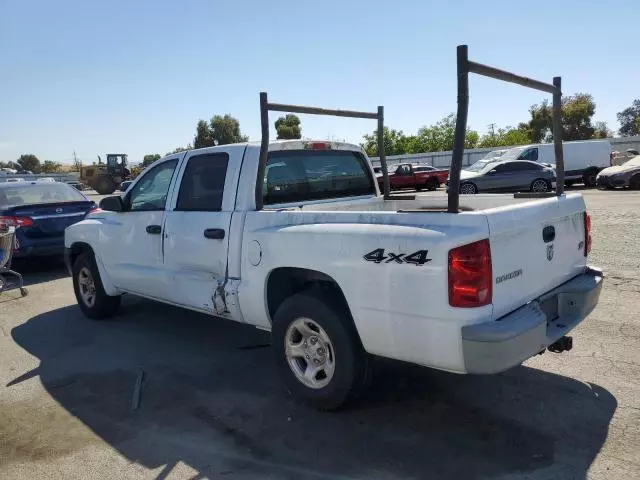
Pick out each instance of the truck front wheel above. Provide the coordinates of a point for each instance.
(105, 186)
(87, 285)
(589, 178)
(318, 351)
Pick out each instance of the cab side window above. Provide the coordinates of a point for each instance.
(202, 185)
(529, 154)
(150, 192)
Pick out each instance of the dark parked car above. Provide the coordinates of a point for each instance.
(508, 176)
(625, 175)
(40, 212)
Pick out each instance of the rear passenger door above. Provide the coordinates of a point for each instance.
(526, 173)
(196, 231)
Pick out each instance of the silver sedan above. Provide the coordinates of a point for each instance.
(508, 176)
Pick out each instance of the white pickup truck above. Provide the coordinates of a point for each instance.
(336, 271)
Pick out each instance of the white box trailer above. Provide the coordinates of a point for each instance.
(583, 160)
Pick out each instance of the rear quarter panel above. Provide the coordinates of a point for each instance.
(401, 310)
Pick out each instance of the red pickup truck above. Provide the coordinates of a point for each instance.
(417, 177)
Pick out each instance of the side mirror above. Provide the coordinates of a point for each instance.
(493, 172)
(112, 204)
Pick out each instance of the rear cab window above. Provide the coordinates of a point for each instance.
(304, 175)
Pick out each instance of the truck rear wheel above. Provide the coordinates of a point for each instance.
(105, 186)
(589, 178)
(432, 184)
(318, 351)
(540, 185)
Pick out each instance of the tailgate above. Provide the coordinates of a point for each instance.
(535, 247)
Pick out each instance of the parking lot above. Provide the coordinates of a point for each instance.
(213, 406)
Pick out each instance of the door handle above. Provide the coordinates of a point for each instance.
(154, 229)
(214, 233)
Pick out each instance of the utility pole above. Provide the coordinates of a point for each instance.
(492, 127)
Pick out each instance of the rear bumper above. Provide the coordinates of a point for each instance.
(47, 250)
(493, 347)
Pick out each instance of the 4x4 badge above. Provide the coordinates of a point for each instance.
(550, 252)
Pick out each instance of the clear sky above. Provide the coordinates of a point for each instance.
(135, 76)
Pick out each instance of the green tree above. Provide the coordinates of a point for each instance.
(49, 166)
(149, 159)
(29, 162)
(288, 127)
(180, 149)
(629, 119)
(225, 130)
(440, 137)
(204, 135)
(601, 130)
(11, 165)
(577, 113)
(504, 137)
(395, 142)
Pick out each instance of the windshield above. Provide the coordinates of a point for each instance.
(634, 162)
(29, 193)
(493, 154)
(481, 165)
(512, 153)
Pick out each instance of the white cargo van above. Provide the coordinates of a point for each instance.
(583, 160)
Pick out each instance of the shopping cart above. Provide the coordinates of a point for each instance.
(7, 244)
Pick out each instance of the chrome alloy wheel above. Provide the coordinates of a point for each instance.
(87, 287)
(309, 353)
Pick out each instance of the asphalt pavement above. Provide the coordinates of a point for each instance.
(212, 405)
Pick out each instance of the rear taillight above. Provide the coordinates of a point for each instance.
(587, 234)
(94, 210)
(470, 278)
(16, 221)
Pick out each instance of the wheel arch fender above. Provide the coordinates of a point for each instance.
(78, 248)
(283, 282)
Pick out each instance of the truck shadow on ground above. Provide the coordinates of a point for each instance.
(212, 399)
(39, 270)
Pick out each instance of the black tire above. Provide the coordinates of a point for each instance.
(537, 184)
(104, 306)
(589, 178)
(472, 189)
(432, 184)
(419, 188)
(105, 186)
(634, 182)
(351, 369)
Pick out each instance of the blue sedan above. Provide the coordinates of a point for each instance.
(40, 212)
